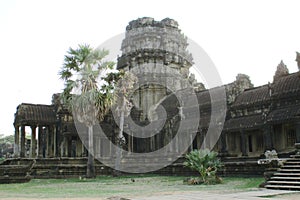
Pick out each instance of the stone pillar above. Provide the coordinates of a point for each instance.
(78, 148)
(223, 143)
(49, 142)
(62, 147)
(40, 141)
(176, 143)
(129, 143)
(298, 132)
(46, 142)
(243, 143)
(22, 145)
(191, 141)
(268, 144)
(69, 146)
(33, 142)
(203, 138)
(66, 146)
(54, 141)
(83, 150)
(17, 142)
(198, 139)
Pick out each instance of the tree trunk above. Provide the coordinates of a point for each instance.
(120, 140)
(90, 173)
(121, 136)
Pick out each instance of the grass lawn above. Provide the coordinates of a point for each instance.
(106, 186)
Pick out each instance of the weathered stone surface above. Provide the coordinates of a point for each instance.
(298, 59)
(281, 71)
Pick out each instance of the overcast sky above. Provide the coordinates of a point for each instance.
(249, 37)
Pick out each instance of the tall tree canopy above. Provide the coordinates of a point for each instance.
(88, 91)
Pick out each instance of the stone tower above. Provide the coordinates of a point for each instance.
(156, 49)
(281, 71)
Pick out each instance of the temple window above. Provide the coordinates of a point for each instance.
(290, 138)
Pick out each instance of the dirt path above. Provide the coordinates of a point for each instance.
(250, 195)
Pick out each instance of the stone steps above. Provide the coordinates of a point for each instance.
(282, 187)
(287, 177)
(295, 166)
(16, 173)
(287, 174)
(292, 163)
(285, 182)
(291, 170)
(297, 178)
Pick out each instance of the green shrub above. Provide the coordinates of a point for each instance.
(206, 163)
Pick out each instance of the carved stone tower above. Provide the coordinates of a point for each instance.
(298, 60)
(281, 71)
(153, 48)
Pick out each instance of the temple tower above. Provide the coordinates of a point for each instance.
(154, 49)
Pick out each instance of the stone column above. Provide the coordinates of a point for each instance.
(62, 148)
(177, 143)
(129, 143)
(17, 142)
(267, 138)
(243, 143)
(69, 146)
(198, 139)
(78, 148)
(40, 142)
(33, 142)
(298, 132)
(223, 143)
(83, 153)
(203, 138)
(191, 141)
(49, 142)
(22, 145)
(54, 141)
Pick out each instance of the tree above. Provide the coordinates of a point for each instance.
(91, 103)
(205, 162)
(123, 88)
(6, 144)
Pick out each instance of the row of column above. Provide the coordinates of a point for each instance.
(42, 146)
(268, 140)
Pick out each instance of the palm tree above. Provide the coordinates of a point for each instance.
(91, 103)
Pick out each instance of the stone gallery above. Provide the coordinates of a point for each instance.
(257, 118)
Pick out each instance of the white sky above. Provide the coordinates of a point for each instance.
(248, 37)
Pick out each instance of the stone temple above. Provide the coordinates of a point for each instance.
(257, 119)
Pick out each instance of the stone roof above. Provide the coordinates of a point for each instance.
(284, 114)
(252, 97)
(34, 114)
(286, 86)
(245, 122)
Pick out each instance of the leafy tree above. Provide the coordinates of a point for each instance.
(205, 162)
(6, 144)
(91, 103)
(8, 138)
(123, 88)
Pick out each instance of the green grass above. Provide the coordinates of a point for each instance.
(106, 186)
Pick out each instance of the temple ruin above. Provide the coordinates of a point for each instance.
(259, 118)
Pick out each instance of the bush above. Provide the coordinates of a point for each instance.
(206, 163)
